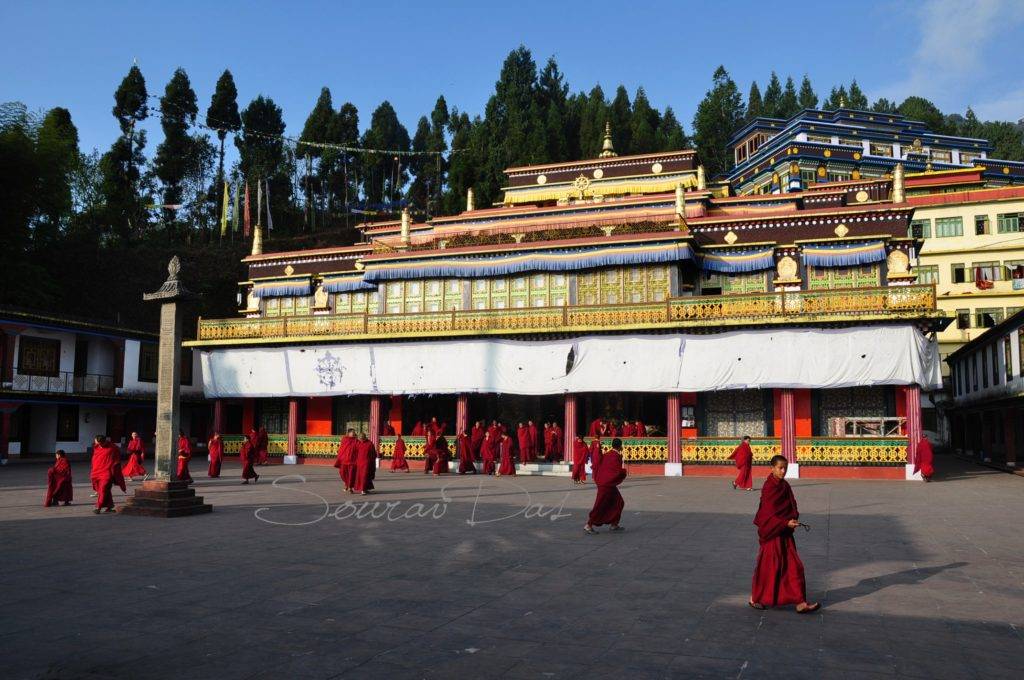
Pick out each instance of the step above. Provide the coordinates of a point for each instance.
(163, 502)
(140, 511)
(165, 495)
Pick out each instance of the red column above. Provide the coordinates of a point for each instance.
(673, 429)
(375, 425)
(788, 422)
(293, 426)
(218, 416)
(569, 426)
(462, 413)
(913, 395)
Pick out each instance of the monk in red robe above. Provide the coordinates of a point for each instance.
(430, 452)
(545, 441)
(534, 440)
(417, 429)
(523, 439)
(495, 430)
(58, 482)
(346, 460)
(508, 465)
(779, 574)
(476, 438)
(366, 460)
(184, 456)
(443, 455)
(136, 450)
(639, 429)
(558, 437)
(595, 457)
(579, 460)
(628, 430)
(398, 461)
(487, 450)
(744, 458)
(608, 504)
(596, 427)
(215, 447)
(262, 447)
(388, 430)
(118, 475)
(247, 457)
(464, 449)
(104, 461)
(925, 462)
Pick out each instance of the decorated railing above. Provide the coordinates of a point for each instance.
(716, 450)
(63, 382)
(232, 443)
(317, 445)
(675, 312)
(879, 451)
(413, 447)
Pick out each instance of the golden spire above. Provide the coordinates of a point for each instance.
(257, 240)
(406, 226)
(469, 200)
(607, 149)
(898, 193)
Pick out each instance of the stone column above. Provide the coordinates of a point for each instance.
(292, 452)
(375, 424)
(462, 413)
(674, 436)
(218, 416)
(913, 410)
(569, 427)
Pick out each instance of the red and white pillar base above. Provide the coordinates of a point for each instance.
(569, 427)
(787, 406)
(914, 430)
(674, 437)
(291, 454)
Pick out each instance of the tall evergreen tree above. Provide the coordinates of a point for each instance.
(130, 108)
(222, 115)
(773, 97)
(789, 106)
(552, 95)
(261, 153)
(857, 99)
(620, 116)
(837, 99)
(718, 115)
(755, 106)
(595, 115)
(465, 164)
(644, 124)
(807, 98)
(883, 105)
(341, 168)
(670, 133)
(176, 155)
(419, 189)
(19, 180)
(317, 130)
(384, 175)
(58, 158)
(919, 108)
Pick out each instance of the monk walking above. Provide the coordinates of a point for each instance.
(464, 449)
(744, 458)
(487, 451)
(346, 460)
(523, 437)
(430, 452)
(58, 482)
(184, 456)
(102, 473)
(136, 450)
(779, 574)
(398, 461)
(215, 447)
(508, 466)
(366, 459)
(247, 457)
(925, 462)
(262, 447)
(476, 438)
(443, 456)
(608, 504)
(579, 460)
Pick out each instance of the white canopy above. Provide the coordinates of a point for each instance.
(814, 357)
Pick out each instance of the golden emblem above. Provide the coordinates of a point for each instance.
(898, 262)
(731, 237)
(541, 179)
(289, 270)
(656, 168)
(599, 173)
(786, 268)
(842, 230)
(861, 195)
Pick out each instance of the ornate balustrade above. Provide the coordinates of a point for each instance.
(716, 450)
(413, 447)
(850, 451)
(680, 312)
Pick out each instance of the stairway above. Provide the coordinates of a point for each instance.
(162, 498)
(544, 469)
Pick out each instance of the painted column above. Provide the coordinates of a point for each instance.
(375, 424)
(291, 457)
(787, 417)
(913, 397)
(569, 426)
(218, 416)
(673, 433)
(462, 413)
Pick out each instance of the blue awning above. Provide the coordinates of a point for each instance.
(736, 261)
(844, 254)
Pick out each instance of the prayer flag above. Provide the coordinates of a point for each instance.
(247, 223)
(234, 211)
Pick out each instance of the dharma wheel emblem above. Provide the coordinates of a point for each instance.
(581, 183)
(328, 370)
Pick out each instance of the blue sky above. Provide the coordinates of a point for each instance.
(73, 54)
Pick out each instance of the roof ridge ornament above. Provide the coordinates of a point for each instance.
(607, 148)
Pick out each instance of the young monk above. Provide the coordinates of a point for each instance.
(247, 457)
(262, 447)
(216, 449)
(366, 458)
(508, 466)
(639, 429)
(534, 439)
(346, 460)
(779, 574)
(430, 452)
(595, 457)
(608, 504)
(443, 456)
(487, 451)
(476, 438)
(523, 437)
(136, 449)
(464, 448)
(102, 474)
(744, 458)
(417, 429)
(579, 460)
(558, 439)
(58, 482)
(398, 461)
(925, 463)
(184, 456)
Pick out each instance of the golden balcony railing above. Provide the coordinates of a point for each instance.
(872, 304)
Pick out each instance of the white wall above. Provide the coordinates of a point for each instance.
(132, 384)
(92, 420)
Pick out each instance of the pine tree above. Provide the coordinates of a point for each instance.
(773, 97)
(807, 98)
(463, 171)
(552, 95)
(341, 167)
(130, 108)
(670, 133)
(176, 155)
(856, 97)
(837, 99)
(317, 130)
(718, 115)
(58, 158)
(755, 107)
(788, 105)
(644, 124)
(620, 116)
(919, 108)
(222, 115)
(971, 126)
(262, 154)
(595, 115)
(883, 105)
(384, 175)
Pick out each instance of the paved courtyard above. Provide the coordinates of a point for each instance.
(480, 578)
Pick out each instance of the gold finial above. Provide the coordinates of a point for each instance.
(701, 179)
(406, 226)
(469, 200)
(607, 148)
(257, 240)
(897, 184)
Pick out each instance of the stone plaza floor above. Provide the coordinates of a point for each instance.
(464, 577)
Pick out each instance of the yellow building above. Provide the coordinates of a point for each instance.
(973, 249)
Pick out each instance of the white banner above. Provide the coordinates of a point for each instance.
(822, 358)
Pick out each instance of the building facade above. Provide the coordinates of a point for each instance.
(619, 288)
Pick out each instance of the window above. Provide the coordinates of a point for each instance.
(1007, 359)
(273, 415)
(987, 318)
(928, 273)
(881, 150)
(149, 362)
(1014, 269)
(920, 229)
(850, 142)
(990, 271)
(820, 139)
(808, 177)
(963, 318)
(38, 356)
(959, 273)
(941, 155)
(968, 157)
(1008, 222)
(981, 225)
(949, 226)
(67, 423)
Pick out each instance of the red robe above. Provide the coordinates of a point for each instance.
(487, 452)
(133, 468)
(744, 458)
(118, 475)
(465, 451)
(476, 440)
(58, 484)
(508, 466)
(366, 458)
(608, 504)
(779, 574)
(442, 455)
(628, 430)
(417, 430)
(523, 435)
(262, 444)
(559, 441)
(430, 452)
(247, 456)
(579, 461)
(595, 457)
(346, 461)
(398, 461)
(104, 462)
(495, 432)
(546, 442)
(388, 430)
(534, 450)
(595, 428)
(184, 456)
(925, 463)
(640, 429)
(216, 450)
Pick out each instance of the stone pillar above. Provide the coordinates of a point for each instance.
(462, 414)
(569, 427)
(375, 424)
(292, 452)
(674, 436)
(218, 416)
(913, 410)
(787, 416)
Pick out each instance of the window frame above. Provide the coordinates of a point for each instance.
(1003, 218)
(39, 345)
(63, 435)
(941, 222)
(146, 349)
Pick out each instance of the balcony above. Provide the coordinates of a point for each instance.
(63, 382)
(912, 302)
